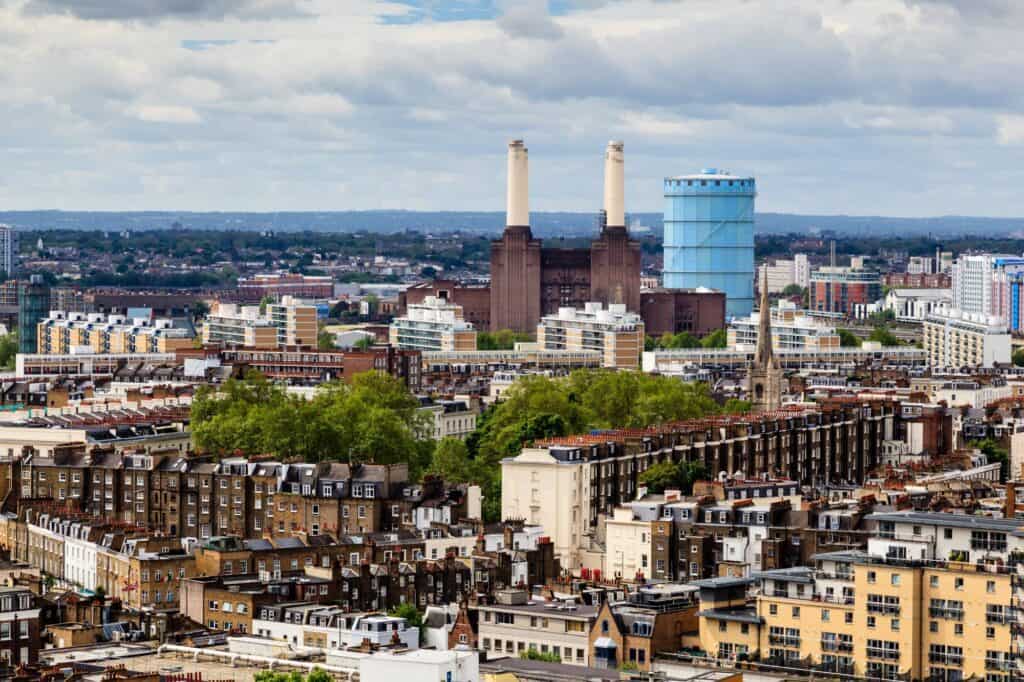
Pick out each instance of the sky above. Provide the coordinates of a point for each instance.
(866, 107)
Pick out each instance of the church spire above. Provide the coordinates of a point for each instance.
(764, 357)
(764, 380)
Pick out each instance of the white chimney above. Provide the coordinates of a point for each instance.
(518, 208)
(614, 185)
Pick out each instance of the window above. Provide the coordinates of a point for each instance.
(872, 576)
(895, 579)
(933, 581)
(504, 618)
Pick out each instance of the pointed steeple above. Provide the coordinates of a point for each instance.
(764, 357)
(764, 380)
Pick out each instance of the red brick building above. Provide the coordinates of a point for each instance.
(682, 310)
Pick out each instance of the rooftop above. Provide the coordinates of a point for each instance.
(1012, 526)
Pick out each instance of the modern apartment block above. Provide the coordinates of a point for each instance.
(785, 272)
(63, 333)
(568, 484)
(936, 596)
(791, 329)
(288, 323)
(956, 339)
(433, 325)
(615, 332)
(836, 290)
(8, 249)
(973, 278)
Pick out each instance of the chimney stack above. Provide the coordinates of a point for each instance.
(518, 204)
(614, 185)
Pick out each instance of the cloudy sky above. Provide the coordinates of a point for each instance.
(882, 107)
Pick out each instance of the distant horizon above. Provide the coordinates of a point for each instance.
(228, 211)
(546, 224)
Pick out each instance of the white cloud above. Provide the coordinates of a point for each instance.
(321, 99)
(164, 113)
(1010, 130)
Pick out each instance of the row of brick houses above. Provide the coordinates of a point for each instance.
(573, 483)
(190, 496)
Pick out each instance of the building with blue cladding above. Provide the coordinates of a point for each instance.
(709, 236)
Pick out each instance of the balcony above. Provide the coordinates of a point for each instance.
(947, 614)
(784, 640)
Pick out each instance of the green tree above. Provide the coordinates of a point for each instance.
(264, 302)
(660, 476)
(318, 675)
(1018, 357)
(848, 339)
(411, 614)
(545, 656)
(364, 343)
(737, 406)
(324, 339)
(452, 462)
(995, 453)
(673, 475)
(503, 339)
(374, 418)
(793, 290)
(716, 339)
(8, 350)
(883, 336)
(680, 340)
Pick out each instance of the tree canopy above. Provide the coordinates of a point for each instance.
(539, 407)
(8, 350)
(673, 475)
(503, 339)
(848, 339)
(372, 419)
(716, 339)
(882, 335)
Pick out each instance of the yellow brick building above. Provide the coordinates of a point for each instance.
(914, 606)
